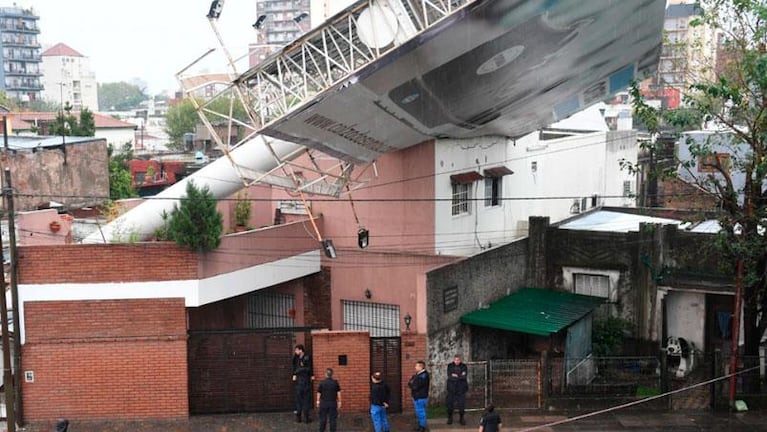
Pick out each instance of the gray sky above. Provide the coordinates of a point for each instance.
(146, 39)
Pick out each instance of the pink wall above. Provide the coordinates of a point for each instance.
(34, 228)
(262, 209)
(392, 278)
(404, 219)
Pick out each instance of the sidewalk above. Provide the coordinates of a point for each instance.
(512, 421)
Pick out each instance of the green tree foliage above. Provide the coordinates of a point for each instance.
(735, 99)
(68, 125)
(120, 96)
(607, 336)
(120, 180)
(180, 119)
(196, 223)
(183, 118)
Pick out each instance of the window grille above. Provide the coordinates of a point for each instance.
(266, 310)
(461, 196)
(381, 320)
(593, 285)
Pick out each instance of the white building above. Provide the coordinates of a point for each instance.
(497, 183)
(67, 77)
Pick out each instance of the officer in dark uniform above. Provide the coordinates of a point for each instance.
(328, 400)
(303, 375)
(490, 420)
(457, 386)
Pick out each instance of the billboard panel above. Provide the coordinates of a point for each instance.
(504, 67)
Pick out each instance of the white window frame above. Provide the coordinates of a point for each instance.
(568, 279)
(461, 199)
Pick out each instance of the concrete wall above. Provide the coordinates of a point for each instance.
(77, 177)
(468, 284)
(121, 359)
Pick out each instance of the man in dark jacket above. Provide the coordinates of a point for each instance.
(490, 421)
(419, 390)
(379, 402)
(328, 400)
(457, 386)
(303, 375)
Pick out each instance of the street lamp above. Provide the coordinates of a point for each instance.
(408, 319)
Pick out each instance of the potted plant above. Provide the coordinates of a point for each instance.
(149, 177)
(54, 226)
(242, 211)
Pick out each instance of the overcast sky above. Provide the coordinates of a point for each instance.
(150, 40)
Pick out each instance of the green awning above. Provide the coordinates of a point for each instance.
(534, 311)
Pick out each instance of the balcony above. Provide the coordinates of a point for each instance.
(23, 73)
(21, 28)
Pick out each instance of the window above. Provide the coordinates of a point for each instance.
(461, 196)
(381, 320)
(493, 191)
(592, 284)
(627, 188)
(271, 310)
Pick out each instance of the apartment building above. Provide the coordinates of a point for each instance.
(68, 78)
(21, 75)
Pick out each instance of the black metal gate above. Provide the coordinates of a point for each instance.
(240, 371)
(385, 358)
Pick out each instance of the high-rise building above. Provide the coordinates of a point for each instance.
(68, 78)
(279, 23)
(689, 52)
(20, 54)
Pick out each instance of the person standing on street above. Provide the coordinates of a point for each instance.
(419, 390)
(490, 420)
(457, 386)
(328, 400)
(379, 403)
(303, 375)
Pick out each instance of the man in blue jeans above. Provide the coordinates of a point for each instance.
(419, 390)
(379, 402)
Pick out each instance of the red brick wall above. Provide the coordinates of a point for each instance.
(413, 349)
(108, 359)
(158, 261)
(354, 378)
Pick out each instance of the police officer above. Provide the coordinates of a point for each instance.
(303, 375)
(457, 386)
(419, 390)
(328, 400)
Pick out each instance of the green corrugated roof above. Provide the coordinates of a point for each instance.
(534, 311)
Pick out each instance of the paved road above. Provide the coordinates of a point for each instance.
(634, 421)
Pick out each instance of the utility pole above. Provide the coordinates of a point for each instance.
(7, 372)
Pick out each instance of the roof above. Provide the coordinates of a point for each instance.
(683, 10)
(36, 142)
(612, 221)
(61, 49)
(534, 311)
(101, 121)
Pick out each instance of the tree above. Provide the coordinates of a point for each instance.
(68, 125)
(120, 96)
(120, 180)
(183, 118)
(736, 100)
(180, 119)
(196, 223)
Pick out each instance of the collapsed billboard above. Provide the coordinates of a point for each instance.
(505, 67)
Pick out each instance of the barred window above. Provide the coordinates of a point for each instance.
(461, 196)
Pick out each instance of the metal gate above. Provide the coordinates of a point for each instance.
(385, 358)
(240, 371)
(515, 383)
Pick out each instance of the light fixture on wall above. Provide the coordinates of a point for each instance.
(259, 22)
(368, 294)
(330, 250)
(363, 238)
(408, 319)
(215, 9)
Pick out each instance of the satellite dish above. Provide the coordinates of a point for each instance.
(377, 26)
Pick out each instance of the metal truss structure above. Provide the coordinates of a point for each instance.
(319, 61)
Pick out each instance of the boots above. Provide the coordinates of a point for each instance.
(307, 419)
(461, 420)
(449, 418)
(298, 416)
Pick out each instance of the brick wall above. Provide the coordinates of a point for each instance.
(91, 263)
(109, 359)
(413, 349)
(354, 377)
